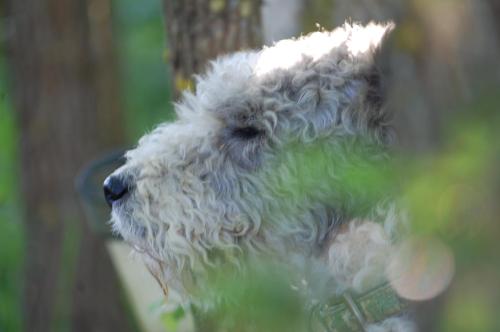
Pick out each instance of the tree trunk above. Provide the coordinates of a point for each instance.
(199, 30)
(65, 97)
(281, 19)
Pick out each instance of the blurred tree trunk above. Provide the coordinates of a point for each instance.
(281, 19)
(65, 93)
(495, 7)
(199, 30)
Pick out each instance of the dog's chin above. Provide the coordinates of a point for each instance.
(129, 229)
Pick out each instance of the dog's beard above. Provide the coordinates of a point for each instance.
(138, 236)
(124, 225)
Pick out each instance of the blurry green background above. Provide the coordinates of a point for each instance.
(143, 75)
(446, 70)
(11, 234)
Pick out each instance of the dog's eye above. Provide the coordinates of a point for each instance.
(246, 133)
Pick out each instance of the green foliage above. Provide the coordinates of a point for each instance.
(260, 299)
(11, 233)
(472, 310)
(351, 176)
(144, 73)
(171, 320)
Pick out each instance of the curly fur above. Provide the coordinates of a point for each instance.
(226, 179)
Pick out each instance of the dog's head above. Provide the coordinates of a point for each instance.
(256, 158)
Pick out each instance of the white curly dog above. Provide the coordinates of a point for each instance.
(266, 159)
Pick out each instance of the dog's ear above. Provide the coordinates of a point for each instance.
(365, 42)
(352, 79)
(365, 62)
(355, 41)
(366, 69)
(333, 77)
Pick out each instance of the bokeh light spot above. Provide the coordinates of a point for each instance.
(421, 269)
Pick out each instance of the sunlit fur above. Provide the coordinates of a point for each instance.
(207, 192)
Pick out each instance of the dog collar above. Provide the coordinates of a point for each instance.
(349, 313)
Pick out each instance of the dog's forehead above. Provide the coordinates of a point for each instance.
(241, 74)
(171, 142)
(234, 80)
(229, 76)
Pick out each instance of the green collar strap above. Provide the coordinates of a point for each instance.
(353, 313)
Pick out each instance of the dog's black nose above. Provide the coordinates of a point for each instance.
(115, 187)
